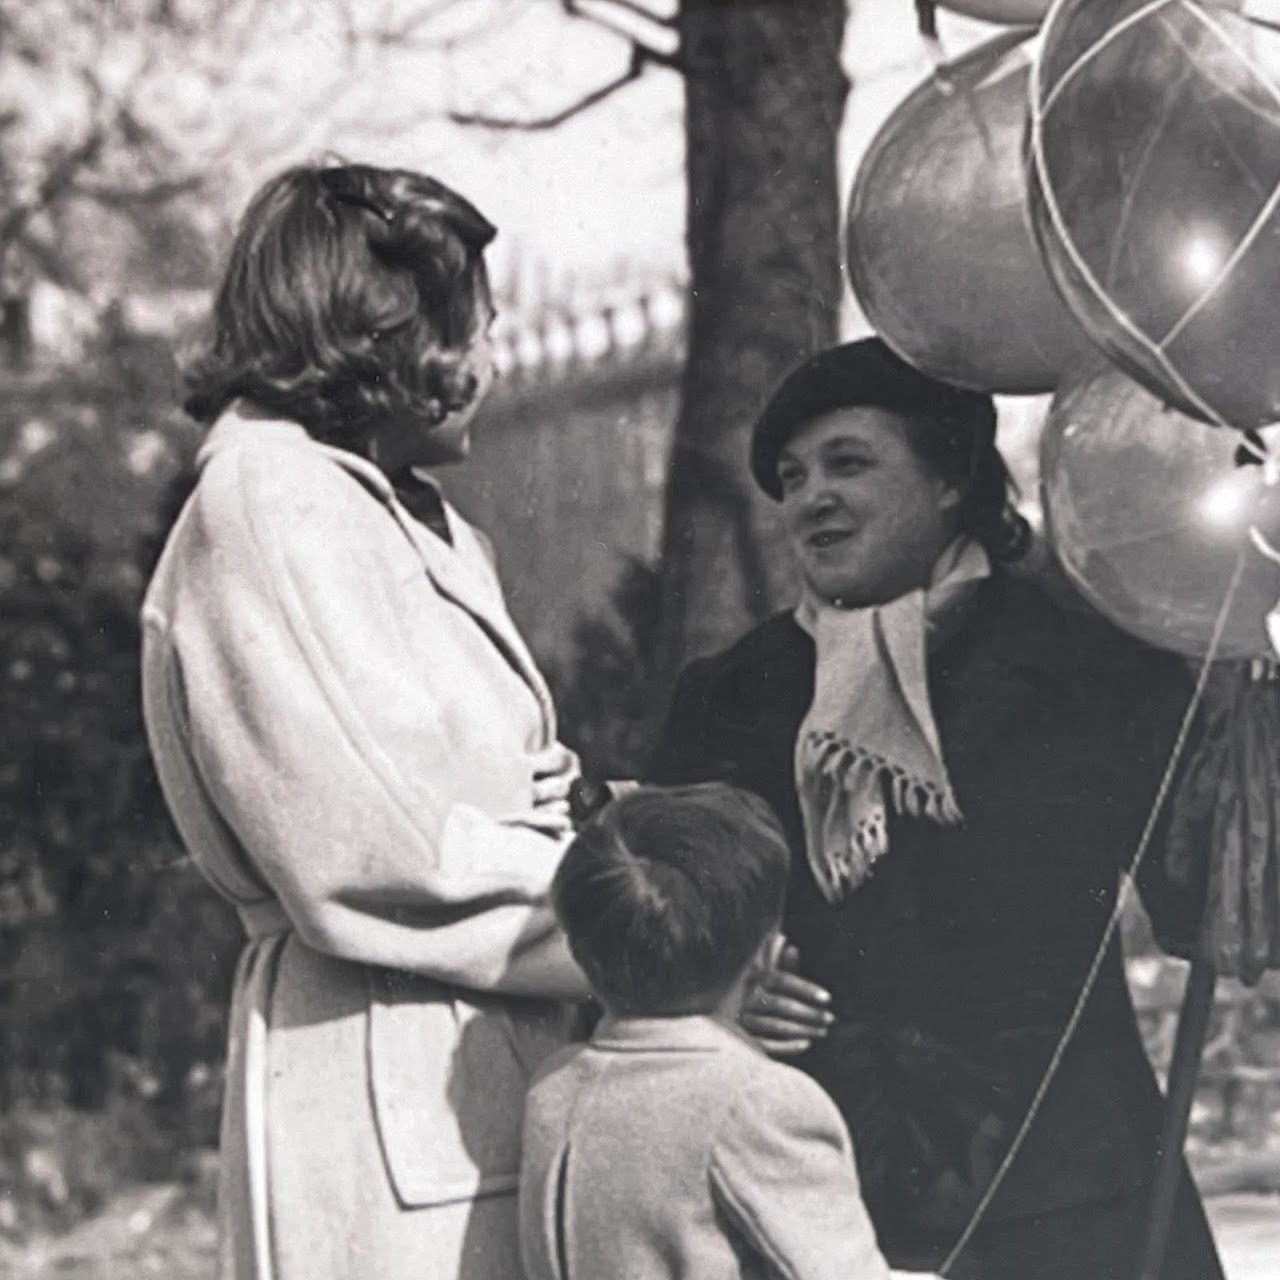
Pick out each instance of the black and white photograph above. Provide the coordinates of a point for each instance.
(640, 639)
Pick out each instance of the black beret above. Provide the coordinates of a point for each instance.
(866, 372)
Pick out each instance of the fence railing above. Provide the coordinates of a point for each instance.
(561, 344)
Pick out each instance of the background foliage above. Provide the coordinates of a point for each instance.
(114, 958)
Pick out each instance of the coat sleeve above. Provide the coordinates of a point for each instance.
(329, 746)
(782, 1168)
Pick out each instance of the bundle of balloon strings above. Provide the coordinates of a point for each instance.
(1227, 808)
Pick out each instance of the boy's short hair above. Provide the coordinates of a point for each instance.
(668, 892)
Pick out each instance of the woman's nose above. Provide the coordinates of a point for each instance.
(817, 498)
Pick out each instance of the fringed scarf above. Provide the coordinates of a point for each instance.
(869, 738)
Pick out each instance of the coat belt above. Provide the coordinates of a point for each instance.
(264, 918)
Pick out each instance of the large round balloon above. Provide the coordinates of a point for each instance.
(1155, 194)
(1008, 12)
(940, 255)
(1149, 512)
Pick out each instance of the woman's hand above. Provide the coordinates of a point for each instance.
(784, 1012)
(555, 768)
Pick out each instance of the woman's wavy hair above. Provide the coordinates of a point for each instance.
(352, 294)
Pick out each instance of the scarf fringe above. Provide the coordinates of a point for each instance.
(848, 844)
(846, 766)
(868, 742)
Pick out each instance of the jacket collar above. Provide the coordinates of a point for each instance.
(693, 1033)
(241, 424)
(462, 572)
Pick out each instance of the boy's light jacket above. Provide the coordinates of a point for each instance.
(675, 1147)
(343, 719)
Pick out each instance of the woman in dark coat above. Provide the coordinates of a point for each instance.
(962, 766)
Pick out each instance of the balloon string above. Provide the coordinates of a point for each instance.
(1113, 32)
(927, 26)
(1246, 242)
(1263, 13)
(1253, 449)
(1264, 79)
(1100, 955)
(1263, 545)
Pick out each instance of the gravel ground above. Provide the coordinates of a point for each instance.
(1247, 1229)
(152, 1232)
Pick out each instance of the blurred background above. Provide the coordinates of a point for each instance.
(668, 244)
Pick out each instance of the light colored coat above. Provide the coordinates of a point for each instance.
(344, 721)
(673, 1147)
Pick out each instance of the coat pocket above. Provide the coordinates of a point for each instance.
(448, 1073)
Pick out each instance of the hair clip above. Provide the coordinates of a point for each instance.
(361, 202)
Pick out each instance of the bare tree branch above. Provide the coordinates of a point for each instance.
(641, 57)
(408, 33)
(597, 11)
(119, 197)
(481, 121)
(60, 176)
(64, 174)
(640, 11)
(537, 123)
(134, 131)
(52, 265)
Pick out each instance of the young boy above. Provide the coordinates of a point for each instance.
(669, 1144)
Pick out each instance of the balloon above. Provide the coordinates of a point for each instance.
(1010, 12)
(1149, 511)
(1155, 194)
(940, 255)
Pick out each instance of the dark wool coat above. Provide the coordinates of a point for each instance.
(954, 968)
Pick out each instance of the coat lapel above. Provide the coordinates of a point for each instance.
(462, 573)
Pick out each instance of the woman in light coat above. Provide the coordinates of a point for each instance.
(356, 745)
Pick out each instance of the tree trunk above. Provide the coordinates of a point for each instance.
(765, 94)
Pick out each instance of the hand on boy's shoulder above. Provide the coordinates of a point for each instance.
(783, 1011)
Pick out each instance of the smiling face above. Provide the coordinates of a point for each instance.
(867, 517)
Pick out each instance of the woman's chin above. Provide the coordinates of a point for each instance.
(851, 595)
(835, 589)
(441, 453)
(847, 588)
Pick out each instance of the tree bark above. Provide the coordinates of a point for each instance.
(765, 94)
